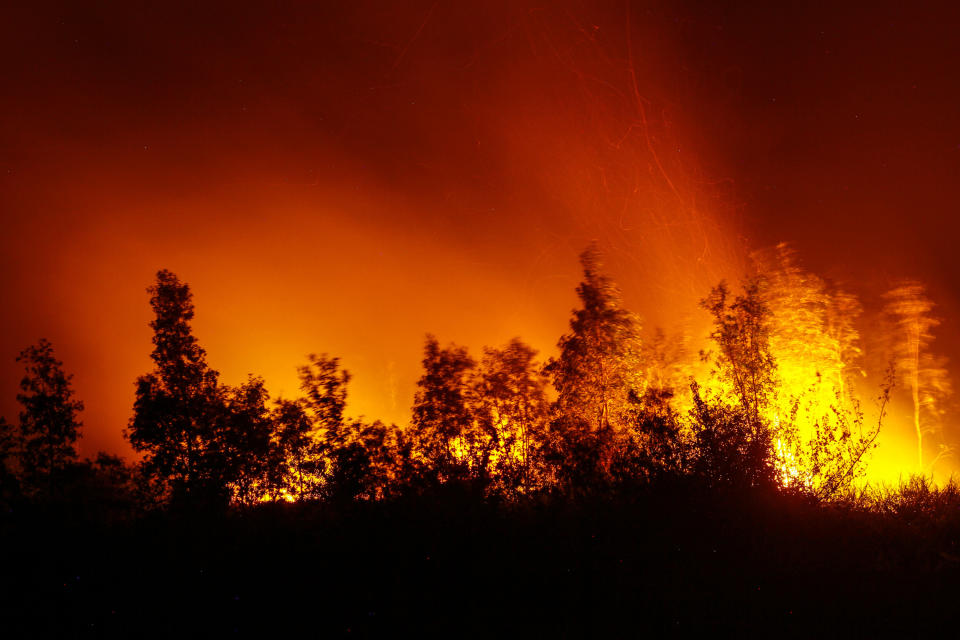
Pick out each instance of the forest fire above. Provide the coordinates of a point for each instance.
(367, 340)
(577, 129)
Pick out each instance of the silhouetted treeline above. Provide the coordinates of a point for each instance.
(612, 409)
(625, 486)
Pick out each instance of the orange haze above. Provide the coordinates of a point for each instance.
(346, 179)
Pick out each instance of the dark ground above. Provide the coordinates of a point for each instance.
(665, 562)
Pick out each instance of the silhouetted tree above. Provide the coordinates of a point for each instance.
(578, 459)
(179, 406)
(509, 404)
(325, 384)
(599, 363)
(655, 446)
(363, 462)
(441, 414)
(741, 333)
(728, 447)
(296, 461)
(109, 489)
(9, 484)
(245, 441)
(838, 451)
(732, 441)
(49, 422)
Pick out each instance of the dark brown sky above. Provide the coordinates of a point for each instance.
(349, 176)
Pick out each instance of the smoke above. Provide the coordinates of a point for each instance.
(346, 178)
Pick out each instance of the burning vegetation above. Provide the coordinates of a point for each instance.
(713, 487)
(774, 399)
(766, 450)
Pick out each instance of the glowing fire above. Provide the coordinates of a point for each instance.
(820, 378)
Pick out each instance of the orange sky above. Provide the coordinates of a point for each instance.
(345, 180)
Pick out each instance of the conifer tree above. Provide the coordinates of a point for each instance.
(179, 406)
(49, 421)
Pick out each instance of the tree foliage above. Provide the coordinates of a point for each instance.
(180, 422)
(732, 430)
(49, 419)
(245, 442)
(741, 332)
(508, 402)
(442, 422)
(779, 409)
(923, 372)
(597, 372)
(296, 460)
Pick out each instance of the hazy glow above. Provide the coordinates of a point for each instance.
(348, 177)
